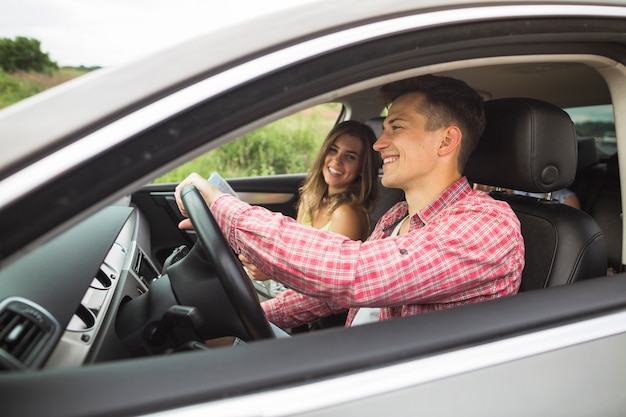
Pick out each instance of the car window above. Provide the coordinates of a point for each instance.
(286, 146)
(597, 122)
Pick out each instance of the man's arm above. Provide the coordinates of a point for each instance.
(291, 309)
(465, 252)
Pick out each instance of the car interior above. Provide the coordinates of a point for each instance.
(597, 185)
(154, 298)
(529, 144)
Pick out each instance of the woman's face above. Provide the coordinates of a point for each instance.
(342, 163)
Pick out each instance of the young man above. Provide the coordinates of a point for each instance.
(446, 246)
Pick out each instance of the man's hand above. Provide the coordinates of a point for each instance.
(253, 271)
(208, 191)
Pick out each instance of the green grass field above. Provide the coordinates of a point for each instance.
(20, 85)
(286, 146)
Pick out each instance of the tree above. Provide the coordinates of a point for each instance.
(595, 128)
(24, 54)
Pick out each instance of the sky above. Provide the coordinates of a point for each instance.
(111, 32)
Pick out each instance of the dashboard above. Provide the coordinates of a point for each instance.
(63, 296)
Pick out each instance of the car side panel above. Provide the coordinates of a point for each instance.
(156, 202)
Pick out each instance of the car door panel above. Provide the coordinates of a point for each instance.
(278, 193)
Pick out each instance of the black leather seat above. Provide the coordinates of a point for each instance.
(387, 197)
(376, 123)
(599, 192)
(530, 145)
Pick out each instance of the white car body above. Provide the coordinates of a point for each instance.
(558, 351)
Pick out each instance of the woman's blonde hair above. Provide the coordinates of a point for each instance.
(363, 193)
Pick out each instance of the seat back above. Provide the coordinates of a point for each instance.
(376, 124)
(387, 197)
(530, 145)
(599, 191)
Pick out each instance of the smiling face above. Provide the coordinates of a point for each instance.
(409, 151)
(342, 163)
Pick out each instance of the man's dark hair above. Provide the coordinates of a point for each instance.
(447, 101)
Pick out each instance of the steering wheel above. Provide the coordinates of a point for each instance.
(229, 270)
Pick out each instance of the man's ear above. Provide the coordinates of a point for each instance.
(451, 140)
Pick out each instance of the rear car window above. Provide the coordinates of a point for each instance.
(598, 123)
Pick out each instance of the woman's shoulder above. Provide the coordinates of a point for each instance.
(351, 221)
(347, 209)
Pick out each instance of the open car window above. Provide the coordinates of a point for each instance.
(597, 122)
(106, 307)
(286, 146)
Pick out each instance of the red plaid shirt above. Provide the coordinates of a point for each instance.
(465, 247)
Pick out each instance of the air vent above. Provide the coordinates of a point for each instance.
(26, 334)
(101, 280)
(84, 319)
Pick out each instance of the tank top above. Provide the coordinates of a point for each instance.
(306, 220)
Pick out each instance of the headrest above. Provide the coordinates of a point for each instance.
(528, 145)
(376, 123)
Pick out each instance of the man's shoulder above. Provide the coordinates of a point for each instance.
(397, 211)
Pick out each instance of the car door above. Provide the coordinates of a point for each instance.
(557, 351)
(156, 203)
(265, 167)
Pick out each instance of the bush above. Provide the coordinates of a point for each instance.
(286, 146)
(594, 128)
(14, 89)
(24, 54)
(22, 84)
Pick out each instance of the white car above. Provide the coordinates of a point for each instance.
(103, 312)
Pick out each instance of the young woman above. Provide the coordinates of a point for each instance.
(341, 186)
